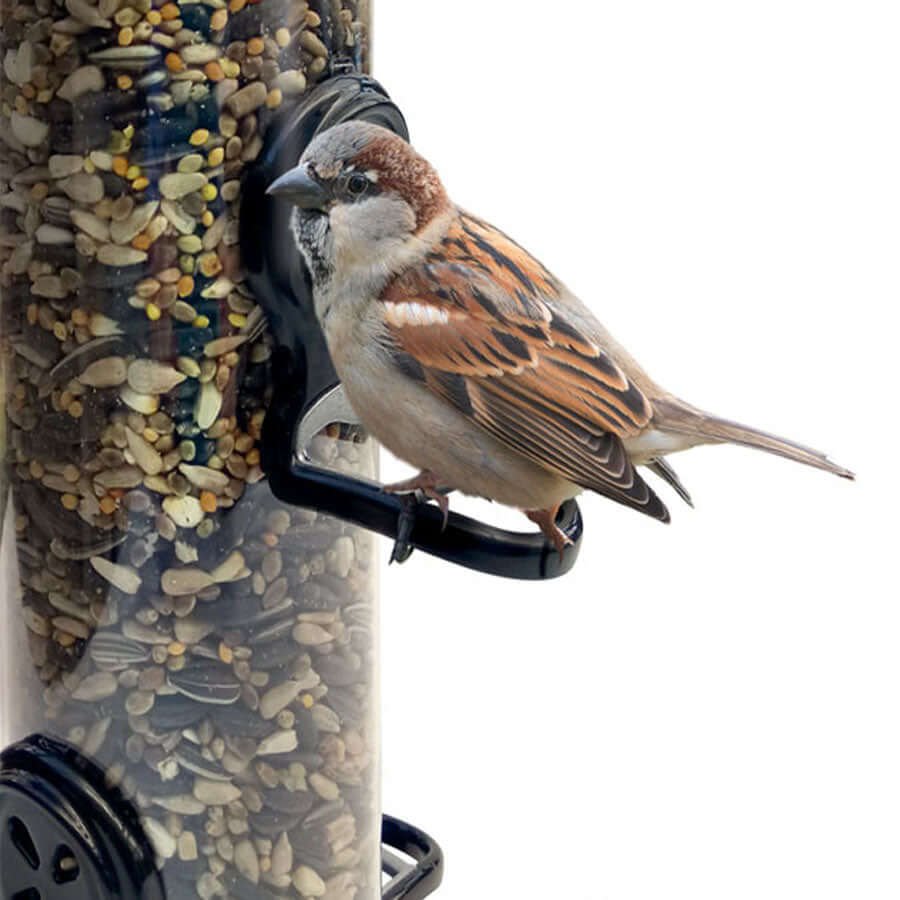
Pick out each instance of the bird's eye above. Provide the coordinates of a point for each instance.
(357, 184)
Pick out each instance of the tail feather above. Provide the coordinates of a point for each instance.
(662, 468)
(679, 418)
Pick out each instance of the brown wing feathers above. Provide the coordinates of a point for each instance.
(485, 334)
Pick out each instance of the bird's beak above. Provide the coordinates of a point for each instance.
(298, 187)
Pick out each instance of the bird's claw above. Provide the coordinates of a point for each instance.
(403, 549)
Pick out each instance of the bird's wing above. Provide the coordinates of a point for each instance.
(484, 326)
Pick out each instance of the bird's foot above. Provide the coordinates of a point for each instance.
(429, 485)
(403, 549)
(545, 519)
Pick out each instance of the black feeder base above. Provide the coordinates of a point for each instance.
(67, 835)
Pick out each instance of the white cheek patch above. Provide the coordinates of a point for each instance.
(414, 314)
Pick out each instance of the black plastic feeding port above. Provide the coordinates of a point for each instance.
(66, 835)
(307, 393)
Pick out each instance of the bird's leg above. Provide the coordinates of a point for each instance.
(545, 519)
(431, 487)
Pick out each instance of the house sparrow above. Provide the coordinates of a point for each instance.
(466, 357)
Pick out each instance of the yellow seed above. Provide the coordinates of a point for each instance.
(59, 331)
(35, 469)
(207, 218)
(133, 172)
(282, 37)
(237, 320)
(209, 192)
(225, 653)
(89, 167)
(199, 137)
(176, 648)
(124, 82)
(252, 457)
(219, 19)
(169, 12)
(153, 17)
(153, 312)
(174, 63)
(274, 98)
(128, 131)
(69, 501)
(216, 157)
(126, 36)
(140, 184)
(230, 68)
(255, 46)
(108, 505)
(307, 701)
(141, 242)
(120, 165)
(75, 410)
(201, 322)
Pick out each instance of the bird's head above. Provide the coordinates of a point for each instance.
(362, 195)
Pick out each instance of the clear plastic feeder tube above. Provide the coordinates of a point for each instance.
(212, 649)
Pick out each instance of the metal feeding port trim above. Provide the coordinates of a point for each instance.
(307, 394)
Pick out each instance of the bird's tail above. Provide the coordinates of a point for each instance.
(676, 417)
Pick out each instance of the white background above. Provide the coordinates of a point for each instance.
(707, 710)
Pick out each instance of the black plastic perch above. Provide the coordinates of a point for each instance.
(307, 392)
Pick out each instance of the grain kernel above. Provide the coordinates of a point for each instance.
(237, 320)
(133, 172)
(108, 505)
(255, 46)
(282, 37)
(207, 218)
(124, 82)
(69, 501)
(174, 63)
(274, 98)
(185, 286)
(199, 137)
(169, 12)
(126, 36)
(214, 71)
(153, 17)
(120, 165)
(176, 648)
(218, 20)
(141, 242)
(216, 157)
(153, 312)
(140, 184)
(209, 192)
(208, 501)
(75, 410)
(201, 322)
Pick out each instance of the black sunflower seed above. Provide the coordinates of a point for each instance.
(207, 683)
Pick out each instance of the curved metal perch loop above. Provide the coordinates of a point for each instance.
(306, 385)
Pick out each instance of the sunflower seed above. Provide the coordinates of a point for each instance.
(207, 683)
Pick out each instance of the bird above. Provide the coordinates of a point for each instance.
(467, 358)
